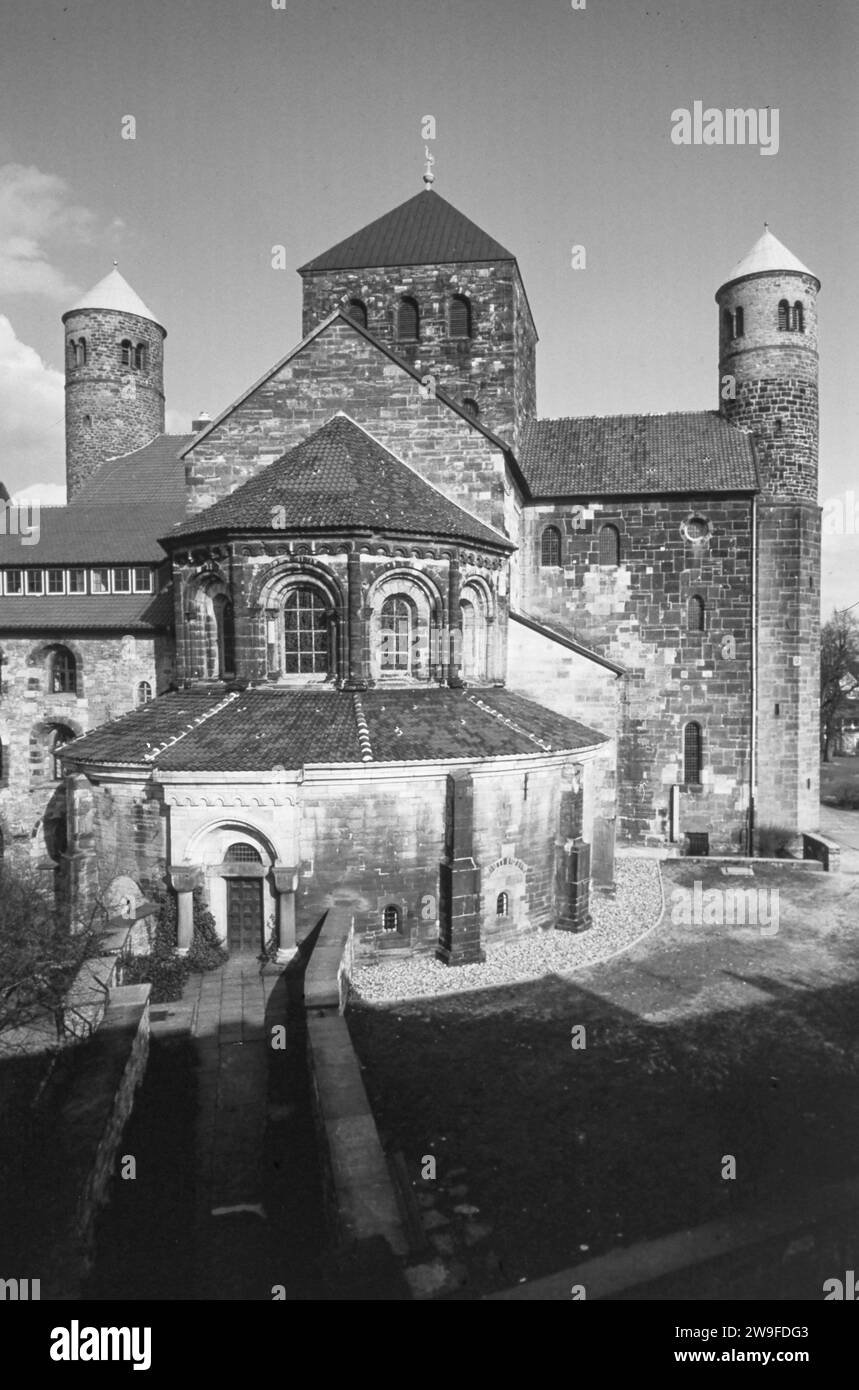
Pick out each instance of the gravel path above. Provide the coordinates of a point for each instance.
(618, 923)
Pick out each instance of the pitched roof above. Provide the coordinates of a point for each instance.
(258, 730)
(767, 254)
(151, 475)
(114, 292)
(128, 612)
(340, 478)
(425, 229)
(608, 455)
(92, 533)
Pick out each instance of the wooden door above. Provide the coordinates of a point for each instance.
(244, 916)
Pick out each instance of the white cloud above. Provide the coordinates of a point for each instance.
(36, 212)
(32, 421)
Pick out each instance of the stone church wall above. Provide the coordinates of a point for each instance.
(637, 613)
(341, 370)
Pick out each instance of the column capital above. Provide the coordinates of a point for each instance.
(186, 877)
(285, 877)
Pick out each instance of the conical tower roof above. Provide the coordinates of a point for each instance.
(767, 254)
(114, 292)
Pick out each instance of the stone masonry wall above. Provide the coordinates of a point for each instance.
(111, 409)
(109, 670)
(494, 366)
(637, 615)
(341, 370)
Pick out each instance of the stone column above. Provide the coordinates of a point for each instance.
(454, 619)
(572, 858)
(185, 878)
(355, 678)
(286, 883)
(459, 877)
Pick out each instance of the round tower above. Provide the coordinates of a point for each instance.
(768, 373)
(114, 377)
(768, 364)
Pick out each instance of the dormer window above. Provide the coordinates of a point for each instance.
(408, 320)
(459, 317)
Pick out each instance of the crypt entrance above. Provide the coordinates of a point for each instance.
(243, 871)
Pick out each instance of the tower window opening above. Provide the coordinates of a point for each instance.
(728, 321)
(502, 905)
(87, 422)
(71, 353)
(125, 352)
(696, 613)
(140, 357)
(739, 323)
(408, 320)
(81, 352)
(692, 754)
(798, 318)
(62, 672)
(392, 918)
(357, 310)
(609, 547)
(783, 315)
(550, 547)
(459, 317)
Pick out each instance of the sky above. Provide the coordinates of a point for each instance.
(261, 123)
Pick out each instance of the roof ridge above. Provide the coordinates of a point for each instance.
(363, 729)
(157, 750)
(511, 724)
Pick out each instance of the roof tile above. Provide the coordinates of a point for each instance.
(425, 230)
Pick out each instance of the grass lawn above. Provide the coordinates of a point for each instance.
(701, 1042)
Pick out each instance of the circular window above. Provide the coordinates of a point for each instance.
(696, 528)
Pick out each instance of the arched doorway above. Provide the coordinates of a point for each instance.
(243, 870)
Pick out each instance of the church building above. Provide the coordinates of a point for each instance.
(378, 634)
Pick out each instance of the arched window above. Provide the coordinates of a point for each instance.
(550, 546)
(739, 323)
(502, 905)
(392, 918)
(692, 754)
(396, 633)
(459, 317)
(408, 320)
(240, 853)
(783, 314)
(305, 633)
(62, 672)
(144, 693)
(71, 353)
(696, 614)
(470, 654)
(798, 318)
(728, 321)
(81, 352)
(470, 404)
(45, 743)
(609, 546)
(140, 357)
(125, 352)
(357, 310)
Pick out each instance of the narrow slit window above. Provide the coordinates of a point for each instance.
(692, 754)
(550, 547)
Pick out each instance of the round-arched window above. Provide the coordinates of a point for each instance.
(240, 853)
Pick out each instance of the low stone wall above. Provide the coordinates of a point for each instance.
(826, 852)
(84, 1113)
(363, 1215)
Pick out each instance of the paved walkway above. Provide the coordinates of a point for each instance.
(256, 1183)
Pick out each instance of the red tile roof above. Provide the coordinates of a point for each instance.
(340, 478)
(257, 730)
(608, 455)
(424, 230)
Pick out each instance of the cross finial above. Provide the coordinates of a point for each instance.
(429, 176)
